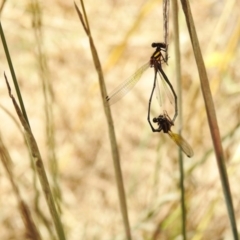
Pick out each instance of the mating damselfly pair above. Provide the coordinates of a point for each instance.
(163, 120)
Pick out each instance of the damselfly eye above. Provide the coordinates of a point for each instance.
(160, 45)
(154, 45)
(155, 120)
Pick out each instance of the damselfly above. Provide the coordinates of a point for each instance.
(155, 62)
(164, 124)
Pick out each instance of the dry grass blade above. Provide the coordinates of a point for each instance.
(37, 207)
(31, 230)
(115, 154)
(212, 119)
(39, 166)
(166, 6)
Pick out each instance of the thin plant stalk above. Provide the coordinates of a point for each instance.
(211, 115)
(13, 74)
(2, 6)
(30, 226)
(179, 94)
(113, 141)
(166, 10)
(48, 97)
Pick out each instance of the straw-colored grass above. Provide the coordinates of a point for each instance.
(59, 85)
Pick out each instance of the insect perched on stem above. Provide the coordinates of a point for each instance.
(155, 62)
(164, 124)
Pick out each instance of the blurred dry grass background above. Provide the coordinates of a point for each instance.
(123, 32)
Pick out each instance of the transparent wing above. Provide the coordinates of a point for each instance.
(168, 92)
(185, 147)
(163, 91)
(126, 86)
(158, 92)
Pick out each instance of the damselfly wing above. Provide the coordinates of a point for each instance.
(155, 62)
(164, 124)
(181, 142)
(128, 84)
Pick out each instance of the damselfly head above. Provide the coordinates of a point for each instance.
(161, 45)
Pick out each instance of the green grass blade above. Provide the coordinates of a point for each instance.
(13, 74)
(35, 153)
(179, 94)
